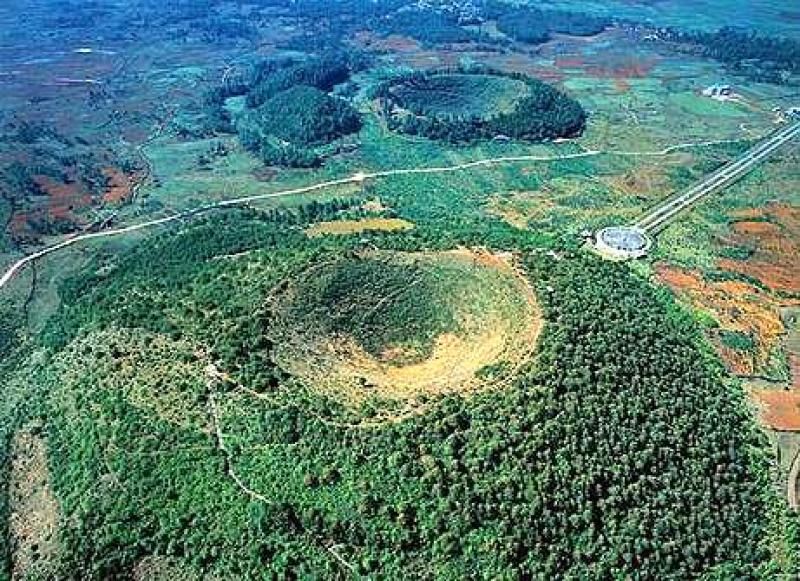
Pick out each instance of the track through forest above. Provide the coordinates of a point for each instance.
(793, 483)
(213, 376)
(354, 179)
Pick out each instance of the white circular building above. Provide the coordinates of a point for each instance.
(622, 242)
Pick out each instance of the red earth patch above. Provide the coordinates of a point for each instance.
(775, 261)
(119, 186)
(779, 409)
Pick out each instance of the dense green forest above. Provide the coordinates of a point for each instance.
(620, 451)
(436, 110)
(763, 58)
(533, 25)
(323, 73)
(283, 130)
(427, 26)
(289, 109)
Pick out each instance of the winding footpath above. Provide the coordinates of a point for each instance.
(213, 376)
(793, 483)
(357, 178)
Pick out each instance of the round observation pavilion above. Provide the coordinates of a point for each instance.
(622, 242)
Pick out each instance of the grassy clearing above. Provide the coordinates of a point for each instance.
(345, 227)
(468, 95)
(163, 569)
(34, 520)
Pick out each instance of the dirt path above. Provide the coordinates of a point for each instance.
(214, 376)
(794, 482)
(141, 151)
(354, 179)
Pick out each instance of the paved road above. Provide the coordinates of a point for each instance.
(726, 175)
(15, 268)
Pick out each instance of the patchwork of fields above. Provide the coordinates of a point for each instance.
(418, 371)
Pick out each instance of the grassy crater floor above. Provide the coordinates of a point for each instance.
(461, 94)
(463, 105)
(403, 326)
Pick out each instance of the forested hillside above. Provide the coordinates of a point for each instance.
(620, 450)
(533, 25)
(462, 106)
(282, 130)
(763, 58)
(289, 112)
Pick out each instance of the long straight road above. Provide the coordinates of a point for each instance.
(357, 178)
(658, 217)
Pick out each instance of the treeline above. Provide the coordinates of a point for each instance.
(544, 113)
(535, 26)
(761, 58)
(428, 26)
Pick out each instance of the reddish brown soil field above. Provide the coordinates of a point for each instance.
(619, 67)
(119, 185)
(776, 259)
(63, 198)
(779, 409)
(570, 62)
(18, 226)
(393, 43)
(626, 67)
(737, 306)
(622, 85)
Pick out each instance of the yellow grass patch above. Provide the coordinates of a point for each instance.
(648, 182)
(343, 227)
(33, 523)
(518, 208)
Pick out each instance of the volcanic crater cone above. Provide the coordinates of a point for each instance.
(401, 328)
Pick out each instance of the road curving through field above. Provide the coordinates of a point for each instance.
(356, 178)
